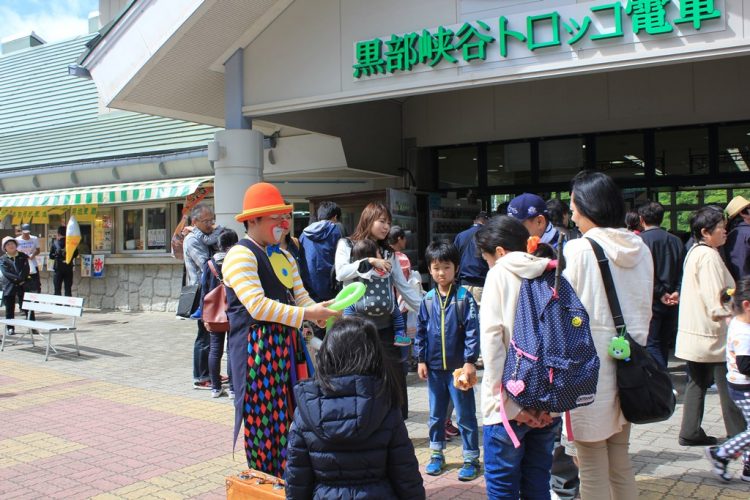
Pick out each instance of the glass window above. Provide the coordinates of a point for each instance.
(144, 229)
(561, 159)
(665, 198)
(620, 155)
(457, 167)
(686, 198)
(715, 196)
(681, 152)
(734, 148)
(508, 164)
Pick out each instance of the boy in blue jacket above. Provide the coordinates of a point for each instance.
(448, 339)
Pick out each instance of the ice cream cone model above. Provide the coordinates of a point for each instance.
(72, 238)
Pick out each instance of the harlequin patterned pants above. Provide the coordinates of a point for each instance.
(739, 444)
(268, 407)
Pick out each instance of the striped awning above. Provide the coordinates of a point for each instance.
(108, 194)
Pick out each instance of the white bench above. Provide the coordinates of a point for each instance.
(71, 307)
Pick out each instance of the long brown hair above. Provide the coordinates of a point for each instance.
(372, 212)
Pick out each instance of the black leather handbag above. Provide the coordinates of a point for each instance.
(644, 387)
(189, 297)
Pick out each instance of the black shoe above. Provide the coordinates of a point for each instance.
(704, 441)
(10, 331)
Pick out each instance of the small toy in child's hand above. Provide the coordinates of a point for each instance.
(463, 381)
(619, 348)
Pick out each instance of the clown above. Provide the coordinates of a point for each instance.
(266, 304)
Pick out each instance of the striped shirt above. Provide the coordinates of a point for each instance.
(240, 272)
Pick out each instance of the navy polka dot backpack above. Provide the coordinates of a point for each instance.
(552, 363)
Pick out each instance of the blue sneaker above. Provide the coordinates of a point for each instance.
(437, 462)
(469, 471)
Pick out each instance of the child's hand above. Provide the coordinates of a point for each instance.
(422, 371)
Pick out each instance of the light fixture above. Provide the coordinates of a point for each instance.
(271, 157)
(74, 179)
(738, 160)
(162, 169)
(115, 174)
(442, 157)
(35, 182)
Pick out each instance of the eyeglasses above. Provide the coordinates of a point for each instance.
(281, 217)
(207, 221)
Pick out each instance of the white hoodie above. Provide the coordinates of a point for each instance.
(496, 319)
(632, 270)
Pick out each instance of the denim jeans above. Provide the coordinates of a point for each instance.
(524, 472)
(200, 354)
(215, 352)
(440, 389)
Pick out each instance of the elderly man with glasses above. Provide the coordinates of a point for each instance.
(200, 243)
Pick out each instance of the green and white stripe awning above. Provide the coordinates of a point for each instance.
(103, 195)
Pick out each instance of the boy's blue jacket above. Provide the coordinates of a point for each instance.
(451, 348)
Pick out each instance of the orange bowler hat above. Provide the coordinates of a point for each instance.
(262, 199)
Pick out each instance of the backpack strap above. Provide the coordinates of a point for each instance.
(213, 270)
(429, 299)
(460, 305)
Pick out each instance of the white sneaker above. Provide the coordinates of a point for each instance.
(231, 394)
(218, 393)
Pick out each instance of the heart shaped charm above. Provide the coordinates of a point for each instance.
(515, 387)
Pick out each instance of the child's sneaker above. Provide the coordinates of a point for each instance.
(436, 464)
(469, 471)
(719, 463)
(451, 430)
(217, 393)
(401, 341)
(231, 394)
(746, 474)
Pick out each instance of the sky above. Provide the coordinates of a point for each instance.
(53, 20)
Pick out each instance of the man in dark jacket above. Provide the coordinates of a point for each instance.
(737, 247)
(473, 269)
(63, 272)
(668, 253)
(319, 241)
(15, 272)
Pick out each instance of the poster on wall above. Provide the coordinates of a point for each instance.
(97, 266)
(86, 261)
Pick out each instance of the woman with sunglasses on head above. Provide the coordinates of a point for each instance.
(375, 224)
(737, 247)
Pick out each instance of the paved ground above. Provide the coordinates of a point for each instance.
(122, 421)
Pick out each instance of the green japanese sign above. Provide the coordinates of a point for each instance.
(574, 26)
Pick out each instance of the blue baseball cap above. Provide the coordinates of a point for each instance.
(526, 206)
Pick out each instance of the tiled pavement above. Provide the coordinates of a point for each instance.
(122, 421)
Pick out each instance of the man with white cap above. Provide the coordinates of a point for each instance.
(29, 244)
(737, 247)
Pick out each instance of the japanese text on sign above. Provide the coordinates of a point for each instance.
(475, 41)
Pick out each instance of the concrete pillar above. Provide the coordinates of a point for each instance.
(240, 165)
(240, 150)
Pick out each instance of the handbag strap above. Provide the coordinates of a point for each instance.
(213, 271)
(609, 287)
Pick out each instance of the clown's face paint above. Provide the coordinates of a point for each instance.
(277, 231)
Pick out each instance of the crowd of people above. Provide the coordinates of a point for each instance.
(341, 432)
(21, 270)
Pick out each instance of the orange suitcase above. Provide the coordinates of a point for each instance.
(254, 485)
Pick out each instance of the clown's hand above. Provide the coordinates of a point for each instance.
(318, 312)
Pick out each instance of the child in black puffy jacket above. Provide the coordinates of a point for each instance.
(348, 439)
